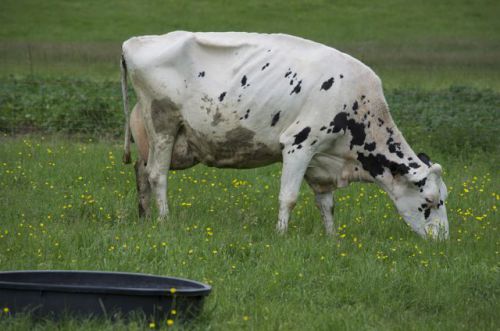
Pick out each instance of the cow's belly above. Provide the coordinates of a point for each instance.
(235, 148)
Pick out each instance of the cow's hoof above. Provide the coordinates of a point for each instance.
(280, 229)
(330, 231)
(161, 218)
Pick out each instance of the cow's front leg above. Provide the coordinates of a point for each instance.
(295, 163)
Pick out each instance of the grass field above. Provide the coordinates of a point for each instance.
(67, 202)
(425, 43)
(71, 205)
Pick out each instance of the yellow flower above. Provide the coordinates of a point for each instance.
(246, 318)
(6, 310)
(173, 290)
(152, 325)
(170, 322)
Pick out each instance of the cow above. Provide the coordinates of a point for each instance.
(245, 100)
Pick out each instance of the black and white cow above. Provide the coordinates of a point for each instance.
(245, 100)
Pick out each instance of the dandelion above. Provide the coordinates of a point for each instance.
(152, 325)
(246, 318)
(173, 290)
(170, 322)
(6, 310)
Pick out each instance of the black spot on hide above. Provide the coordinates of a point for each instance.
(327, 84)
(375, 165)
(421, 183)
(425, 159)
(276, 118)
(370, 147)
(340, 122)
(297, 88)
(221, 96)
(302, 135)
(246, 115)
(355, 106)
(394, 147)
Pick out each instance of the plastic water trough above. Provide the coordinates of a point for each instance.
(55, 294)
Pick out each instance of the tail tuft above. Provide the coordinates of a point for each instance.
(127, 158)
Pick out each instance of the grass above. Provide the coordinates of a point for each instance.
(326, 21)
(465, 117)
(67, 202)
(424, 44)
(71, 205)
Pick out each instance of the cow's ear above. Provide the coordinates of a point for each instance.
(425, 158)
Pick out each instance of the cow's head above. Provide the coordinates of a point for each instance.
(420, 200)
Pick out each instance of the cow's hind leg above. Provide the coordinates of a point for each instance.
(143, 188)
(324, 202)
(165, 123)
(158, 174)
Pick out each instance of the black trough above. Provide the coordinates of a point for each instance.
(55, 294)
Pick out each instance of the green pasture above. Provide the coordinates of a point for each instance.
(71, 204)
(67, 202)
(431, 44)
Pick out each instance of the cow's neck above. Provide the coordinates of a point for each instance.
(386, 157)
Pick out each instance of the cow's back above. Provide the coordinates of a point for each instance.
(238, 92)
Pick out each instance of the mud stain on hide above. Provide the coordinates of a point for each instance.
(165, 115)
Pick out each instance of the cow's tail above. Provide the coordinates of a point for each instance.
(126, 147)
